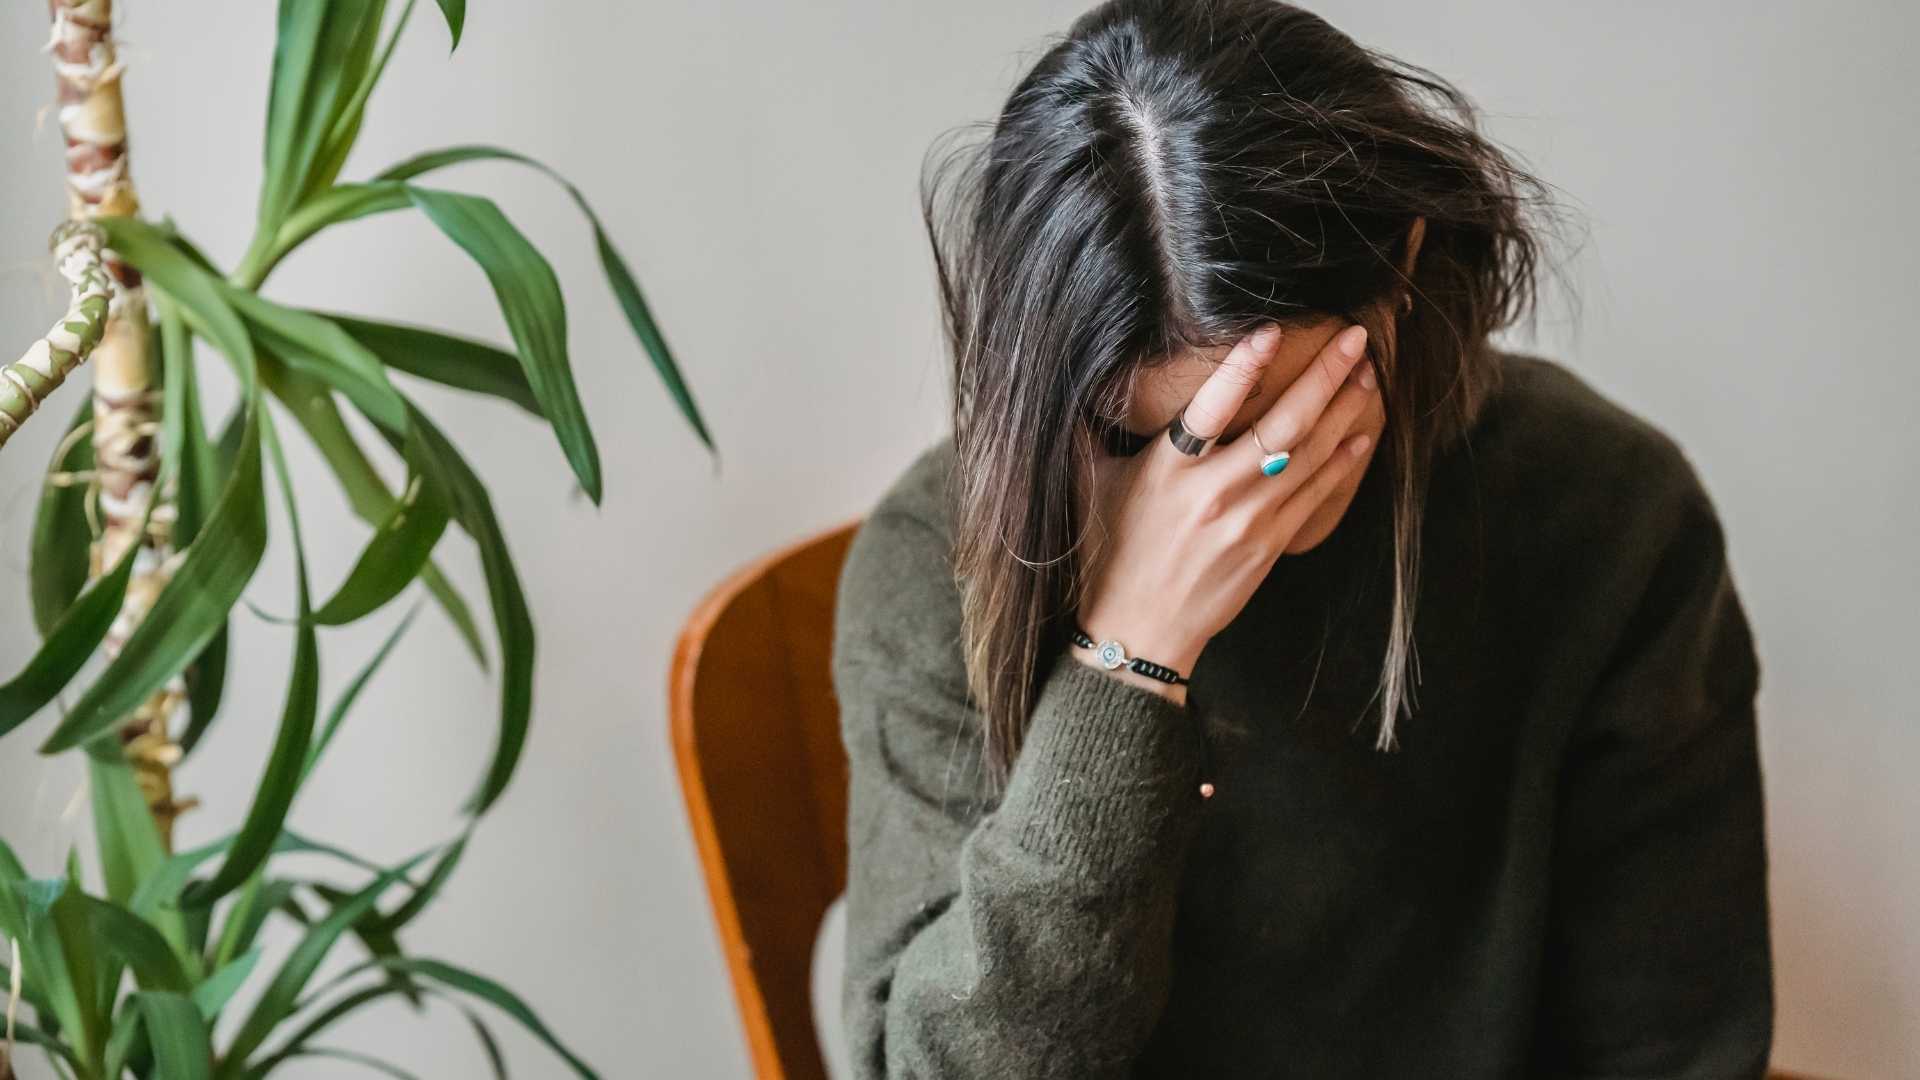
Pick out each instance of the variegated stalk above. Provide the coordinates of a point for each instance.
(26, 382)
(126, 440)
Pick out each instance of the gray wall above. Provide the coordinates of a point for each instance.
(1742, 168)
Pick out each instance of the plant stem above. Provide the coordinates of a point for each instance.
(126, 425)
(26, 382)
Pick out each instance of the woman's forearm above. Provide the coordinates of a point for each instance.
(1037, 941)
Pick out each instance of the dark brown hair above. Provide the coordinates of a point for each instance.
(1169, 175)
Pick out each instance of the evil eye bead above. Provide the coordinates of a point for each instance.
(1111, 655)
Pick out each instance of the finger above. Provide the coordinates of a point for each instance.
(1219, 399)
(1345, 414)
(1346, 457)
(1288, 420)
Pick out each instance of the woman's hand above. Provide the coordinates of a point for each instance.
(1189, 539)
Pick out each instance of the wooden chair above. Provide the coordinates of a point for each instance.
(756, 734)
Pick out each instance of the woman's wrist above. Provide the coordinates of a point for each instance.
(1145, 637)
(1174, 693)
(1164, 650)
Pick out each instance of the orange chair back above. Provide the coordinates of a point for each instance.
(756, 734)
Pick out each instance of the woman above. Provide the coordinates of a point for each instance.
(1438, 758)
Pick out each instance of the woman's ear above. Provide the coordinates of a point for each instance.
(1415, 234)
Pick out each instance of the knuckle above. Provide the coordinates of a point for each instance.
(1236, 530)
(1286, 432)
(1318, 451)
(1240, 373)
(1203, 418)
(1328, 373)
(1214, 505)
(1351, 402)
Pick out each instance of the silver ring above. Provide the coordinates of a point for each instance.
(1186, 441)
(1272, 462)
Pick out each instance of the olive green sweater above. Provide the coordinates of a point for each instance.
(1561, 871)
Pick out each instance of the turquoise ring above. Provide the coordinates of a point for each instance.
(1272, 462)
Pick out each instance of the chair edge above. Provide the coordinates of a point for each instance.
(761, 1044)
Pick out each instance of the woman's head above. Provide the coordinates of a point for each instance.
(1168, 176)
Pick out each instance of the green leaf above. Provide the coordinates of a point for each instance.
(217, 989)
(451, 361)
(320, 1021)
(127, 1043)
(53, 1046)
(131, 852)
(189, 611)
(347, 697)
(182, 1046)
(295, 1044)
(285, 765)
(443, 869)
(473, 509)
(61, 538)
(314, 345)
(201, 295)
(361, 73)
(386, 1068)
(67, 647)
(26, 917)
(455, 605)
(312, 405)
(206, 685)
(620, 279)
(160, 891)
(196, 463)
(245, 918)
(136, 943)
(488, 1043)
(339, 203)
(310, 88)
(639, 316)
(187, 454)
(291, 842)
(374, 933)
(279, 997)
(529, 296)
(493, 993)
(87, 978)
(456, 13)
(90, 961)
(399, 550)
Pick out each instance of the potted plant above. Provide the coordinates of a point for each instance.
(154, 519)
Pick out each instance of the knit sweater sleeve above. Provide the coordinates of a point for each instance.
(1658, 960)
(1024, 934)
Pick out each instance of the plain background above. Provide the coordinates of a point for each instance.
(1742, 170)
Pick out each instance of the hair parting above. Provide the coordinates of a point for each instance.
(1169, 175)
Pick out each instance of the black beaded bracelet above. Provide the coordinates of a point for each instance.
(1113, 657)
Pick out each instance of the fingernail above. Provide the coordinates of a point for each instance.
(1359, 444)
(1265, 338)
(1352, 339)
(1366, 376)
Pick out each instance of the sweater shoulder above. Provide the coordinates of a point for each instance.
(1604, 513)
(920, 490)
(898, 602)
(1545, 408)
(1575, 462)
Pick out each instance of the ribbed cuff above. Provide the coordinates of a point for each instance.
(1107, 775)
